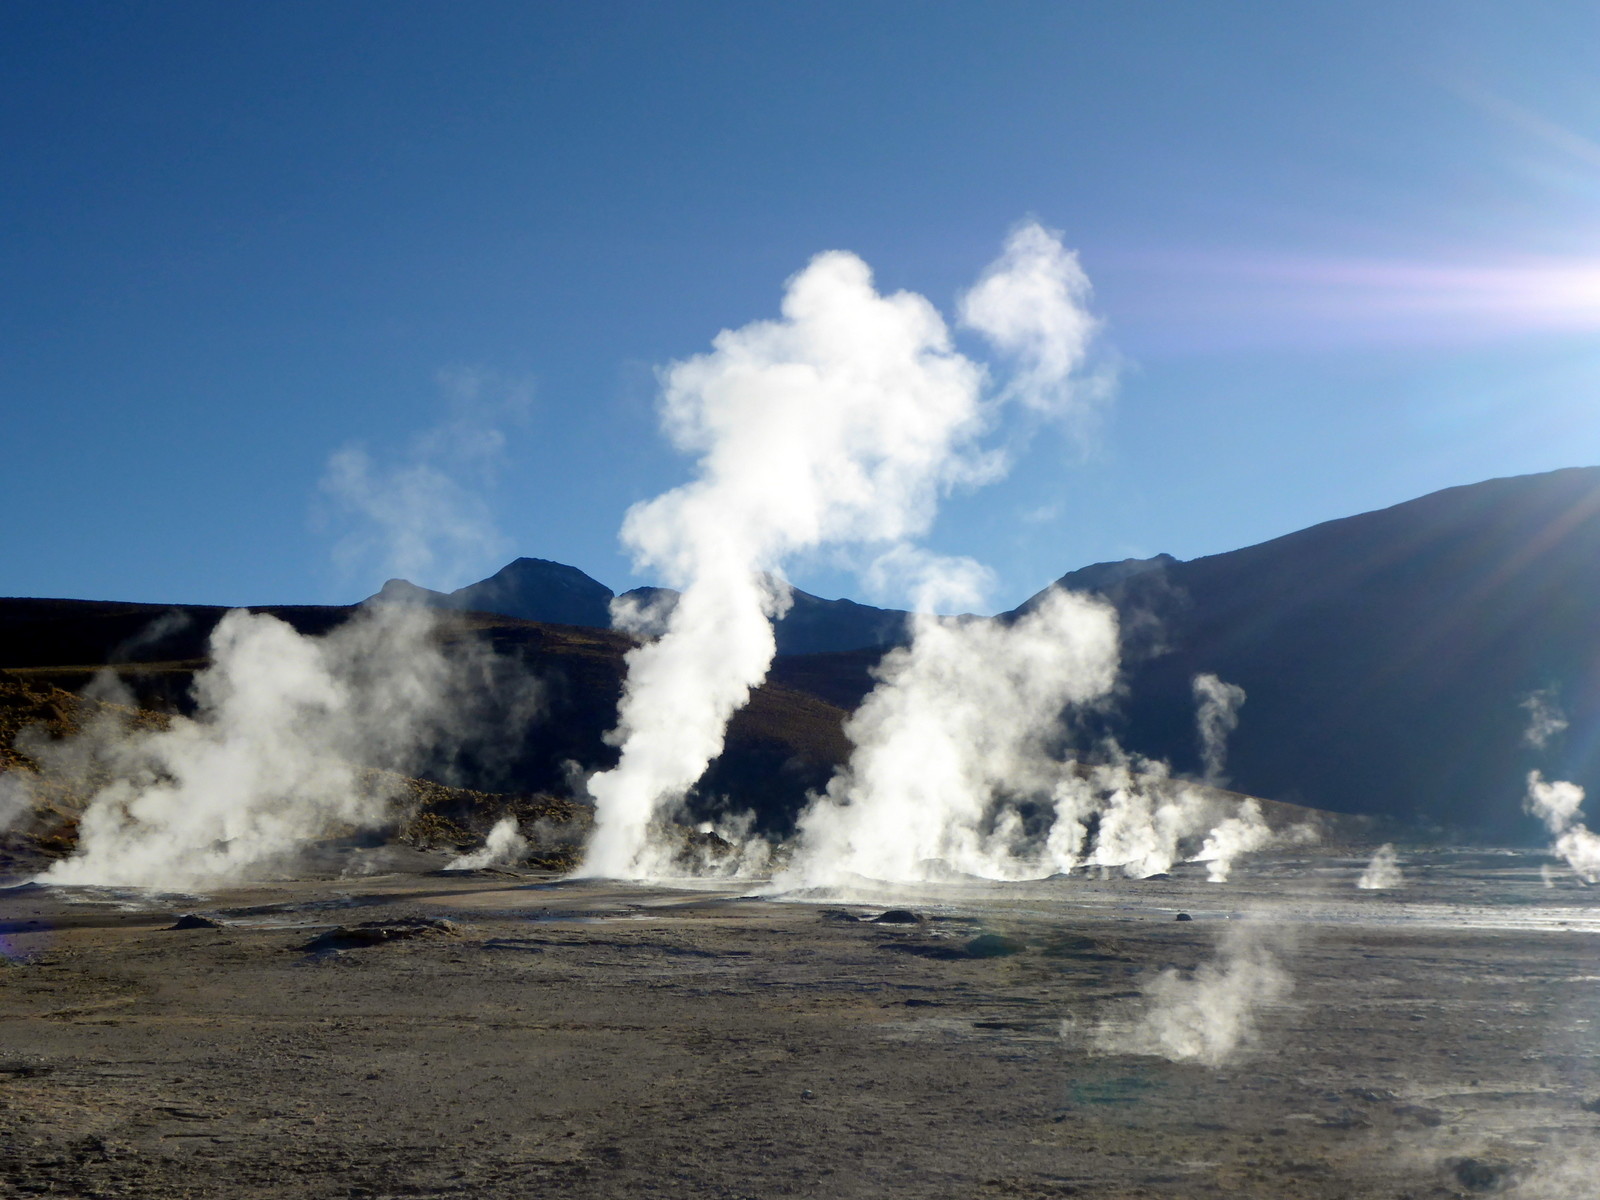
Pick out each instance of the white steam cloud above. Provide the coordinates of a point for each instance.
(274, 757)
(1382, 872)
(1243, 833)
(424, 517)
(956, 732)
(839, 423)
(1032, 305)
(1217, 715)
(1545, 718)
(1145, 819)
(958, 766)
(1208, 1016)
(504, 847)
(1558, 804)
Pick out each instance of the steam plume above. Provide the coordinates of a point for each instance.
(1382, 872)
(839, 423)
(1146, 817)
(958, 726)
(1206, 1017)
(1559, 805)
(1244, 832)
(504, 847)
(1217, 715)
(273, 758)
(959, 765)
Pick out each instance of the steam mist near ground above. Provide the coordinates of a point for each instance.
(961, 719)
(1557, 802)
(961, 764)
(1559, 805)
(504, 847)
(279, 752)
(1207, 1016)
(1382, 872)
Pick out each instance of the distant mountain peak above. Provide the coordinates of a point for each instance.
(532, 589)
(403, 591)
(538, 589)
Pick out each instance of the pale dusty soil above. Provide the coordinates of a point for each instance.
(595, 1040)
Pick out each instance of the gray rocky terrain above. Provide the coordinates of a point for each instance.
(508, 1035)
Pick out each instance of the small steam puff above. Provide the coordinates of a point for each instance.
(273, 758)
(1545, 718)
(839, 423)
(1244, 832)
(423, 517)
(1558, 804)
(1207, 1016)
(1217, 715)
(1382, 872)
(505, 847)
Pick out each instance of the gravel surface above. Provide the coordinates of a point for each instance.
(518, 1037)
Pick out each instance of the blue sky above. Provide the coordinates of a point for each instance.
(1345, 255)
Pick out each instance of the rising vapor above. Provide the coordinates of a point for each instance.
(839, 423)
(1382, 872)
(962, 762)
(277, 755)
(957, 732)
(1208, 1016)
(422, 515)
(1559, 804)
(1217, 716)
(1032, 304)
(504, 847)
(1545, 718)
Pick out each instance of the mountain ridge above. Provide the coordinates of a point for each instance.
(538, 589)
(1385, 657)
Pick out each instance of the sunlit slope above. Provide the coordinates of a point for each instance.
(1385, 656)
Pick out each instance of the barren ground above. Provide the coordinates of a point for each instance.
(604, 1040)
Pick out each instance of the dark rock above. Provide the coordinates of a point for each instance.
(195, 921)
(994, 945)
(1479, 1175)
(376, 933)
(839, 915)
(897, 916)
(1428, 1118)
(25, 1070)
(1183, 917)
(1371, 1095)
(1346, 1118)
